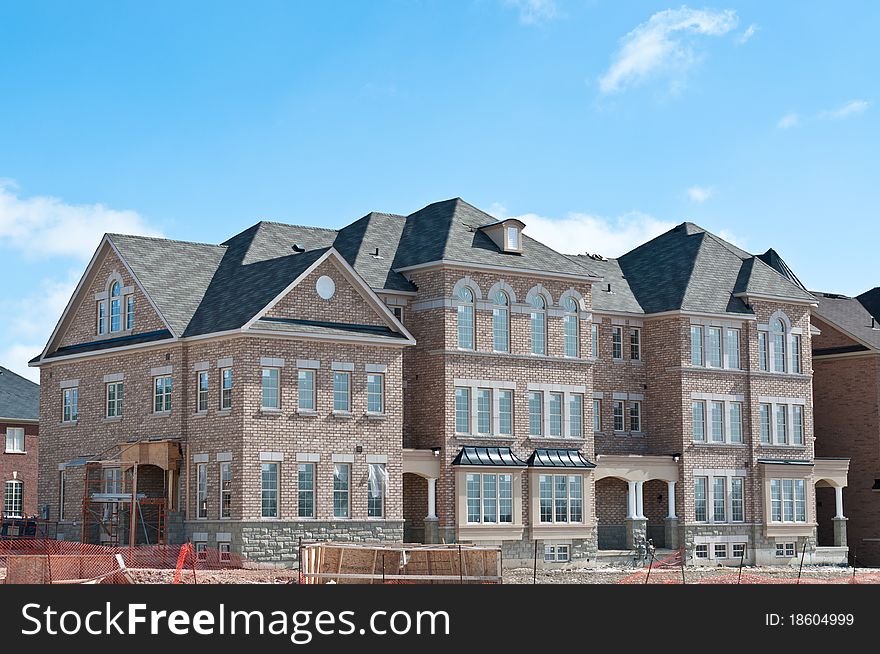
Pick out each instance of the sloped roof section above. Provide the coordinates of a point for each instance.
(488, 456)
(850, 315)
(369, 245)
(175, 274)
(19, 397)
(620, 297)
(449, 230)
(688, 268)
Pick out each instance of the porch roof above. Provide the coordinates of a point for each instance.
(558, 458)
(488, 456)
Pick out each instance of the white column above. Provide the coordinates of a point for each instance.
(838, 496)
(640, 499)
(432, 498)
(670, 485)
(631, 508)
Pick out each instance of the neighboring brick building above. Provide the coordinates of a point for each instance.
(846, 378)
(19, 423)
(438, 377)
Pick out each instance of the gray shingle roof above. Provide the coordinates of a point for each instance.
(327, 328)
(176, 274)
(359, 241)
(19, 397)
(449, 230)
(851, 314)
(691, 269)
(621, 297)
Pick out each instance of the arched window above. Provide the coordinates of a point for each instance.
(466, 318)
(115, 308)
(501, 323)
(777, 330)
(570, 327)
(539, 325)
(13, 500)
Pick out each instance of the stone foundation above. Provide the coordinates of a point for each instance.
(276, 544)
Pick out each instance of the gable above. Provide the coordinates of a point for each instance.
(79, 324)
(831, 337)
(348, 304)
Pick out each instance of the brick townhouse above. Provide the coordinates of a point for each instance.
(19, 422)
(846, 369)
(436, 377)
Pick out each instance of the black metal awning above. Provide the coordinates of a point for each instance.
(501, 457)
(786, 462)
(558, 458)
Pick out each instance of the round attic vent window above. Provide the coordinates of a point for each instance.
(325, 287)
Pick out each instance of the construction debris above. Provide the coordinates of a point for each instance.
(399, 563)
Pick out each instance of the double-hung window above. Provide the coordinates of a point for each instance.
(501, 323)
(129, 312)
(202, 490)
(269, 490)
(489, 498)
(737, 504)
(733, 360)
(696, 345)
(576, 415)
(466, 319)
(202, 391)
(271, 390)
(635, 417)
(305, 389)
(225, 389)
(764, 411)
(554, 415)
(797, 424)
(115, 308)
(162, 394)
(781, 424)
(376, 393)
(15, 439)
(716, 410)
(505, 412)
(796, 353)
(70, 411)
(570, 328)
(618, 413)
(114, 400)
(226, 489)
(719, 499)
(616, 342)
(539, 325)
(462, 410)
(305, 492)
(635, 343)
(341, 490)
(484, 411)
(713, 347)
(594, 340)
(698, 410)
(597, 416)
(701, 511)
(736, 434)
(777, 328)
(376, 480)
(341, 392)
(763, 352)
(536, 413)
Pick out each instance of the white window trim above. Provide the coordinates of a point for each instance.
(727, 401)
(724, 327)
(789, 331)
(23, 449)
(495, 418)
(728, 475)
(790, 403)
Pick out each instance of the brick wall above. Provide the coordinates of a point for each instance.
(24, 465)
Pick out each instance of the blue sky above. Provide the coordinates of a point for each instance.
(601, 123)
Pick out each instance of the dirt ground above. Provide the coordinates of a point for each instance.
(811, 574)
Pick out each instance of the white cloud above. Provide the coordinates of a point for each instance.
(533, 12)
(851, 108)
(747, 34)
(791, 119)
(699, 194)
(662, 45)
(43, 226)
(579, 233)
(47, 228)
(848, 110)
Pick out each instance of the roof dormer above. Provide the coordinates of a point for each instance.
(506, 234)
